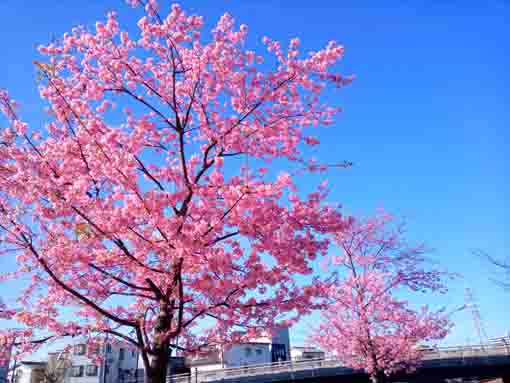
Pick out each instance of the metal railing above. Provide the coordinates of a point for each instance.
(467, 351)
(443, 356)
(260, 369)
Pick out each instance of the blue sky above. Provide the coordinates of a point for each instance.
(424, 122)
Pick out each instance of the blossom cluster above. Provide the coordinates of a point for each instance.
(368, 324)
(129, 206)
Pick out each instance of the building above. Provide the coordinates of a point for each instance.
(212, 360)
(5, 356)
(306, 353)
(58, 367)
(119, 364)
(29, 372)
(267, 349)
(246, 354)
(278, 345)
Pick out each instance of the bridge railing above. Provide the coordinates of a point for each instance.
(251, 370)
(466, 352)
(455, 356)
(436, 356)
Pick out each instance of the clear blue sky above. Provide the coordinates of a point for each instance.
(425, 121)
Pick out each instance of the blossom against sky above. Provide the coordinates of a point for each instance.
(424, 121)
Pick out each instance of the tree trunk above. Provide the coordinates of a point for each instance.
(158, 369)
(379, 377)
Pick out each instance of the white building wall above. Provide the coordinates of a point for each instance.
(296, 353)
(261, 350)
(29, 373)
(206, 367)
(239, 355)
(280, 337)
(83, 361)
(306, 353)
(23, 374)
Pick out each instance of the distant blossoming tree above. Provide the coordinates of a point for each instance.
(501, 266)
(134, 207)
(367, 325)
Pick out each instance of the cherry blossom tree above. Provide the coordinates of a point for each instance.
(367, 325)
(133, 210)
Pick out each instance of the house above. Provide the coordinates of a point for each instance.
(266, 349)
(270, 348)
(58, 367)
(119, 364)
(29, 372)
(246, 354)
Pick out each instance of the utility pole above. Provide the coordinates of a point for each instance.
(105, 354)
(13, 372)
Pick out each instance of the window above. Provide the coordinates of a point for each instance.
(278, 352)
(106, 369)
(258, 351)
(247, 351)
(77, 371)
(108, 348)
(133, 353)
(79, 349)
(121, 354)
(91, 370)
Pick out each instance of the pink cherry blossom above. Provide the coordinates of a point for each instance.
(369, 325)
(137, 218)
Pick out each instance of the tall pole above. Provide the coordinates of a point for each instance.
(15, 361)
(136, 365)
(105, 359)
(13, 370)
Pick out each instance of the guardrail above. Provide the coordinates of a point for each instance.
(435, 357)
